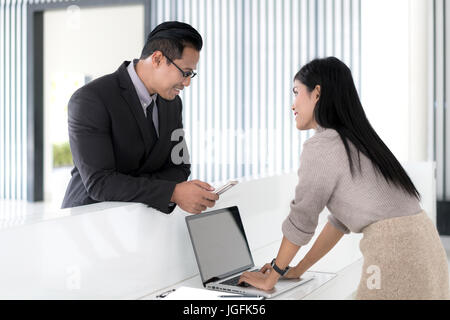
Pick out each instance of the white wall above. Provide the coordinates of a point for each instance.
(95, 43)
(419, 83)
(395, 74)
(385, 82)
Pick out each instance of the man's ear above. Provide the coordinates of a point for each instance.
(156, 58)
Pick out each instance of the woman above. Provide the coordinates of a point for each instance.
(346, 167)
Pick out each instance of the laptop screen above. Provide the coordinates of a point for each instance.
(219, 243)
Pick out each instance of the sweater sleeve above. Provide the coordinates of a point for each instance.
(317, 178)
(338, 224)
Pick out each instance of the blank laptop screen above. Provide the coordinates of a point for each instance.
(219, 242)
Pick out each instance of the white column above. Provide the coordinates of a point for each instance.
(418, 80)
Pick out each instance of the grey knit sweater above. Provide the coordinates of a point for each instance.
(325, 181)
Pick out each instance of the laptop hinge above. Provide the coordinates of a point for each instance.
(213, 279)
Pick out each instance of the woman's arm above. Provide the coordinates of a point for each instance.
(267, 281)
(324, 243)
(317, 181)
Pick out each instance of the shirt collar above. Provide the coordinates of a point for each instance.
(141, 90)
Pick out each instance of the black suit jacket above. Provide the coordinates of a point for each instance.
(110, 143)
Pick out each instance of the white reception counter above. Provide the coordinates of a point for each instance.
(116, 250)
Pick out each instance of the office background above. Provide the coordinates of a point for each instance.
(237, 112)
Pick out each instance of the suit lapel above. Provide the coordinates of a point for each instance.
(155, 156)
(164, 134)
(131, 97)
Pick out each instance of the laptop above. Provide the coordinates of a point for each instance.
(223, 254)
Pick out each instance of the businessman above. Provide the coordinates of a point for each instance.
(122, 125)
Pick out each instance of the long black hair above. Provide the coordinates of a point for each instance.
(339, 108)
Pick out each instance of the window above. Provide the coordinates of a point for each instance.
(237, 112)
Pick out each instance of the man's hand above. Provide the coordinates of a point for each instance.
(194, 196)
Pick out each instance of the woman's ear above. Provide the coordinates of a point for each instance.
(317, 92)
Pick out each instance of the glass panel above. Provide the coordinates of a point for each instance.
(80, 44)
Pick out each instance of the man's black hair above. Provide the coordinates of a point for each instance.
(171, 38)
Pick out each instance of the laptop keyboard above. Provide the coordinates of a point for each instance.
(234, 282)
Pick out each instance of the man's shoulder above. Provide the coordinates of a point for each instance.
(104, 89)
(107, 82)
(104, 83)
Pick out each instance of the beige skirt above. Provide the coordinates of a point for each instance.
(403, 259)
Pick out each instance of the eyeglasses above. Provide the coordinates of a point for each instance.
(186, 74)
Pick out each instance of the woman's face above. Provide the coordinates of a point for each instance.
(304, 104)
